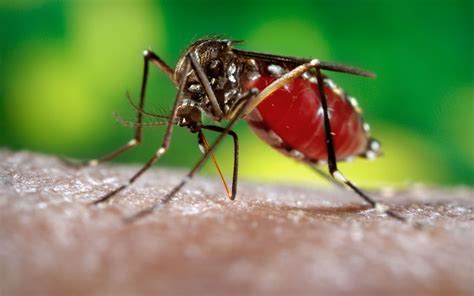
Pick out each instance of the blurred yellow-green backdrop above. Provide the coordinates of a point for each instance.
(66, 66)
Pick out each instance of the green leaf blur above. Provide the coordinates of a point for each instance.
(66, 66)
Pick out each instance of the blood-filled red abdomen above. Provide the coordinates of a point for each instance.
(291, 120)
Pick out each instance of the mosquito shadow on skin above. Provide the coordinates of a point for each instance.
(341, 211)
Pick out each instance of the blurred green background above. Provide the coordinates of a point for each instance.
(66, 66)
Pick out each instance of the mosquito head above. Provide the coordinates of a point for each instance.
(222, 69)
(189, 115)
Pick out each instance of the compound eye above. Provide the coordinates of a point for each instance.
(214, 68)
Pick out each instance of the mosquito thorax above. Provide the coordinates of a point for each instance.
(223, 70)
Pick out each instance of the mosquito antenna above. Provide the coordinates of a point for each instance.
(138, 109)
(132, 124)
(206, 146)
(159, 109)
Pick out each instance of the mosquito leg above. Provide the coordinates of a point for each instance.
(148, 57)
(280, 82)
(235, 173)
(332, 164)
(326, 177)
(166, 139)
(205, 83)
(251, 95)
(297, 72)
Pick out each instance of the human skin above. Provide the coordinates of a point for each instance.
(272, 240)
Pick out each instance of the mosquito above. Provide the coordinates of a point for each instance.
(286, 101)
